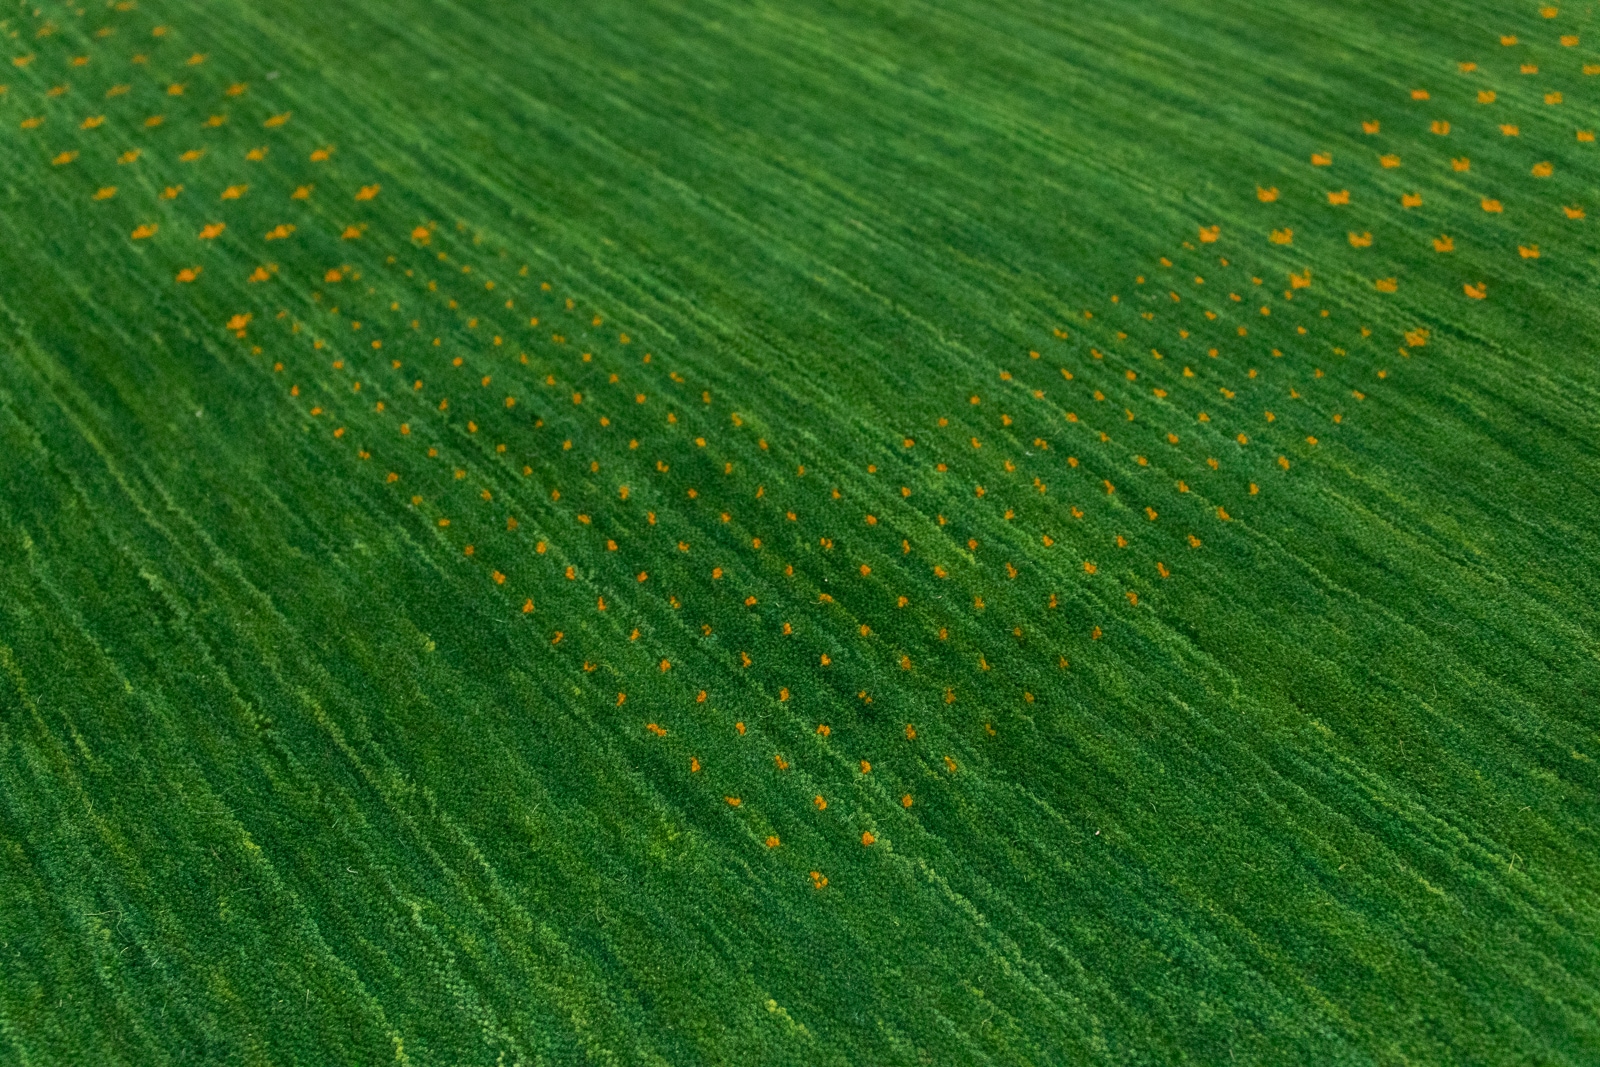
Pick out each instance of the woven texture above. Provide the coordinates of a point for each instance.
(683, 531)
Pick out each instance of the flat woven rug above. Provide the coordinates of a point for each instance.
(889, 532)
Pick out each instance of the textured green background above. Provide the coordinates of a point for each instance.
(286, 777)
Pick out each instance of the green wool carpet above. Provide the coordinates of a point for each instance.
(817, 532)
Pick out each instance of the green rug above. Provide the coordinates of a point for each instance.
(873, 533)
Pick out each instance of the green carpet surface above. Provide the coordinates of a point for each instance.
(806, 532)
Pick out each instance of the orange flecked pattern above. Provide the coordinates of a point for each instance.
(684, 532)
